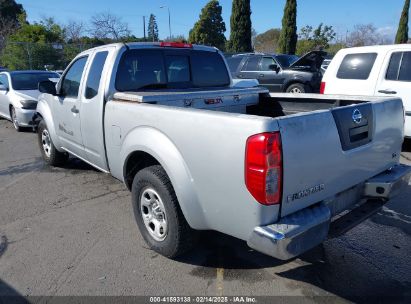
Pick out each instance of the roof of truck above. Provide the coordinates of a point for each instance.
(134, 45)
(377, 48)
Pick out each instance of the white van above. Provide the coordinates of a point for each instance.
(383, 70)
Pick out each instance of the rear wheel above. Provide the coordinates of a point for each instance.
(49, 152)
(297, 88)
(158, 214)
(14, 120)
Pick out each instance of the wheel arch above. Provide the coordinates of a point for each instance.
(44, 112)
(294, 81)
(146, 146)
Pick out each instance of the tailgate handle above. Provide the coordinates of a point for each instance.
(358, 133)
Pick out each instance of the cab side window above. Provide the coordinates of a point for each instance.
(399, 68)
(94, 76)
(72, 79)
(405, 69)
(394, 66)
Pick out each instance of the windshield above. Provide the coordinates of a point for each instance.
(156, 69)
(286, 60)
(30, 81)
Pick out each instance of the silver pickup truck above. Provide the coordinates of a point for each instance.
(278, 171)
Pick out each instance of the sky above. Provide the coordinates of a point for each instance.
(266, 14)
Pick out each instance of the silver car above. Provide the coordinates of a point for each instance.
(19, 93)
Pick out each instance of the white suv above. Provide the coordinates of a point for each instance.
(372, 71)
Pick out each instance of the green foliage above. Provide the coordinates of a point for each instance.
(210, 28)
(402, 33)
(312, 39)
(288, 38)
(152, 28)
(268, 41)
(240, 23)
(33, 45)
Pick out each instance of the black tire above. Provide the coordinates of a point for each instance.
(297, 88)
(179, 237)
(51, 156)
(13, 118)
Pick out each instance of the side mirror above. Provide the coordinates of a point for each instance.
(47, 87)
(3, 88)
(274, 67)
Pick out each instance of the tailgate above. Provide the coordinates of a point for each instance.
(327, 152)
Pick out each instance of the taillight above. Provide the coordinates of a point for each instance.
(322, 87)
(263, 167)
(176, 44)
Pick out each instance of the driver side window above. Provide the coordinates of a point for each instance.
(266, 62)
(71, 82)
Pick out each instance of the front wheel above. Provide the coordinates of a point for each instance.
(158, 214)
(48, 151)
(14, 120)
(297, 88)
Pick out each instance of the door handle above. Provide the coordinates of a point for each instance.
(240, 76)
(261, 75)
(387, 92)
(75, 110)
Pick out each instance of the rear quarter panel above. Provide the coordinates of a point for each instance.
(203, 154)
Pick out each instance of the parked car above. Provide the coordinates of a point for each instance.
(200, 154)
(280, 73)
(383, 70)
(18, 95)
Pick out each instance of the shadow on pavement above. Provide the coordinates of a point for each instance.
(9, 295)
(334, 266)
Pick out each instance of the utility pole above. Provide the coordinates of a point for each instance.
(144, 26)
(169, 18)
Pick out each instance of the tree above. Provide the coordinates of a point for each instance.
(33, 46)
(106, 25)
(9, 19)
(73, 31)
(152, 28)
(311, 39)
(240, 23)
(267, 42)
(10, 10)
(363, 35)
(210, 28)
(402, 33)
(288, 37)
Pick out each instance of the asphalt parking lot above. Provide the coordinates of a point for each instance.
(70, 231)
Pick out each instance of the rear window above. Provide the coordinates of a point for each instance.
(152, 69)
(357, 66)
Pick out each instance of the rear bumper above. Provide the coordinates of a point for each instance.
(307, 228)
